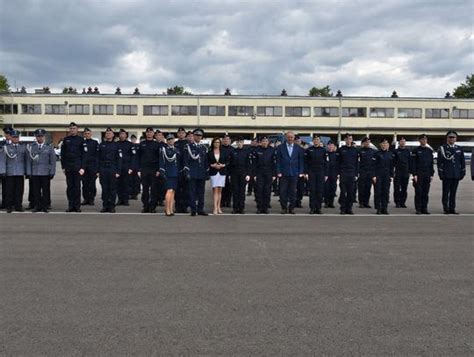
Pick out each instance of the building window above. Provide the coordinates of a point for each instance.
(212, 110)
(381, 112)
(297, 111)
(127, 109)
(155, 110)
(79, 109)
(326, 111)
(183, 110)
(463, 113)
(7, 108)
(354, 112)
(409, 112)
(55, 109)
(103, 109)
(240, 111)
(270, 111)
(31, 108)
(436, 113)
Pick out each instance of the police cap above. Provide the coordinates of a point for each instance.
(40, 132)
(198, 132)
(422, 136)
(451, 133)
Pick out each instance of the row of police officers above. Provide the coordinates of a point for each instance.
(159, 165)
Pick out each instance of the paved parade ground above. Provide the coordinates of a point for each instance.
(145, 284)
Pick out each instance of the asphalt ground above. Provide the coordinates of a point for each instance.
(146, 284)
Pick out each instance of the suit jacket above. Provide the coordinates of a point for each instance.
(224, 158)
(290, 166)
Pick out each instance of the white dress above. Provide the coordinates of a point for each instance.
(217, 180)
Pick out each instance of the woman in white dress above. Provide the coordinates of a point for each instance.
(218, 161)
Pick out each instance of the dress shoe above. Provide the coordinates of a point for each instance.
(425, 212)
(284, 211)
(103, 210)
(78, 210)
(37, 210)
(45, 210)
(384, 211)
(145, 210)
(379, 211)
(193, 214)
(291, 211)
(85, 202)
(202, 213)
(453, 212)
(265, 211)
(403, 205)
(361, 206)
(70, 209)
(398, 205)
(446, 212)
(349, 211)
(418, 212)
(9, 210)
(312, 211)
(318, 211)
(152, 210)
(367, 206)
(112, 210)
(342, 212)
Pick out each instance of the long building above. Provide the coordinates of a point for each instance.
(241, 114)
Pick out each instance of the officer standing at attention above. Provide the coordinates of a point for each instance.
(451, 170)
(239, 170)
(125, 147)
(316, 170)
(89, 158)
(171, 165)
(423, 172)
(5, 141)
(71, 161)
(40, 169)
(110, 162)
(160, 139)
(226, 149)
(263, 170)
(348, 169)
(289, 166)
(134, 180)
(196, 168)
(330, 186)
(383, 174)
(251, 184)
(182, 188)
(366, 172)
(402, 159)
(149, 155)
(13, 160)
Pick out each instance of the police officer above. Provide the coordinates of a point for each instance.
(451, 170)
(422, 171)
(149, 154)
(348, 170)
(89, 158)
(226, 151)
(196, 168)
(330, 186)
(263, 170)
(182, 188)
(302, 180)
(239, 169)
(71, 161)
(316, 171)
(125, 147)
(5, 141)
(366, 172)
(13, 159)
(402, 158)
(171, 165)
(383, 174)
(41, 167)
(134, 180)
(254, 144)
(110, 162)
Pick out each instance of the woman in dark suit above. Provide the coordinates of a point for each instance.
(170, 168)
(218, 160)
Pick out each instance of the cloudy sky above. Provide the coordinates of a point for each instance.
(363, 47)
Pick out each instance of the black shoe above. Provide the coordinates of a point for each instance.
(85, 202)
(349, 211)
(418, 212)
(242, 211)
(78, 210)
(361, 206)
(37, 210)
(403, 205)
(70, 209)
(202, 213)
(318, 211)
(30, 206)
(119, 203)
(9, 210)
(145, 210)
(446, 212)
(284, 211)
(235, 211)
(384, 211)
(367, 206)
(91, 203)
(112, 210)
(45, 210)
(103, 210)
(331, 205)
(398, 205)
(291, 211)
(453, 212)
(425, 212)
(342, 212)
(193, 214)
(265, 211)
(312, 211)
(152, 210)
(379, 211)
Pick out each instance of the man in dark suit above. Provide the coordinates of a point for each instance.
(290, 166)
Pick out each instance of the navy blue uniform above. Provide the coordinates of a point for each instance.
(422, 168)
(451, 169)
(149, 154)
(72, 150)
(402, 175)
(123, 192)
(383, 172)
(90, 162)
(227, 150)
(348, 169)
(251, 183)
(316, 169)
(366, 173)
(196, 167)
(239, 168)
(134, 180)
(264, 169)
(110, 164)
(181, 195)
(171, 165)
(330, 186)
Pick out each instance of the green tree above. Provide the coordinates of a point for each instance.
(320, 92)
(465, 90)
(4, 86)
(177, 90)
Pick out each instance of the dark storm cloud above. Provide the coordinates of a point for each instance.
(421, 48)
